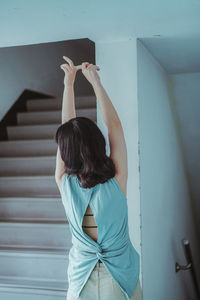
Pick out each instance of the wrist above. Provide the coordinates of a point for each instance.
(96, 84)
(68, 85)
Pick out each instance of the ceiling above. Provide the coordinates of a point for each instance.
(170, 29)
(176, 54)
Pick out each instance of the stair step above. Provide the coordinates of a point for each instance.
(24, 166)
(26, 289)
(28, 186)
(35, 235)
(54, 104)
(27, 209)
(21, 148)
(32, 132)
(52, 117)
(46, 265)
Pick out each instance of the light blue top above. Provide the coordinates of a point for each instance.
(113, 247)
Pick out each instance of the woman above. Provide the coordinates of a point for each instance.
(104, 264)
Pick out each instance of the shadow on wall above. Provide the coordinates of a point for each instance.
(37, 67)
(10, 117)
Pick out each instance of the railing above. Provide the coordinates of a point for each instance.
(189, 266)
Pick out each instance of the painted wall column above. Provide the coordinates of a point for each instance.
(118, 63)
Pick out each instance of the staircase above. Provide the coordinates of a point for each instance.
(34, 233)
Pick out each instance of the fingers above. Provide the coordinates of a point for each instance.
(91, 66)
(65, 67)
(79, 67)
(69, 61)
(84, 65)
(88, 66)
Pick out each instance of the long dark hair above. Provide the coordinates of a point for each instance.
(83, 150)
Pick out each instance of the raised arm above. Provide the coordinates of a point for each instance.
(118, 150)
(68, 111)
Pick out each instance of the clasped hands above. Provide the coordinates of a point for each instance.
(88, 70)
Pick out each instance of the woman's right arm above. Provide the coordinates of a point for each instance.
(109, 113)
(118, 150)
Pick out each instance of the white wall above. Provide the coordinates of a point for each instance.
(117, 61)
(187, 94)
(28, 22)
(165, 198)
(37, 67)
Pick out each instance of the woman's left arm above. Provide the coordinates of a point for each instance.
(68, 112)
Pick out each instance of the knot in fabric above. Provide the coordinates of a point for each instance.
(99, 248)
(99, 252)
(99, 255)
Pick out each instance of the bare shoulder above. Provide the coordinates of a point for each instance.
(122, 182)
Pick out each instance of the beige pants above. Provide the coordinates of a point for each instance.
(102, 286)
